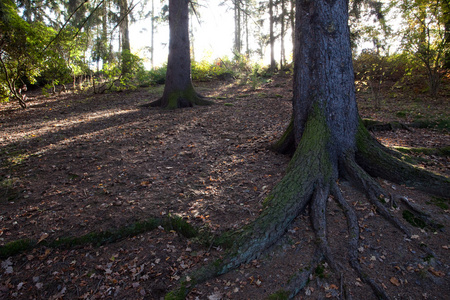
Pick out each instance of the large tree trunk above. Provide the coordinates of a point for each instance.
(323, 73)
(179, 91)
(327, 135)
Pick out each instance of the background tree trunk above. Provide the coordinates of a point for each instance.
(237, 27)
(125, 36)
(282, 34)
(273, 64)
(179, 91)
(152, 47)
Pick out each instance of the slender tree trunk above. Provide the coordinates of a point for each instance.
(152, 47)
(247, 45)
(237, 27)
(104, 36)
(283, 50)
(292, 19)
(447, 42)
(125, 36)
(272, 37)
(179, 91)
(191, 38)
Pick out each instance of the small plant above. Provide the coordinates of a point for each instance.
(371, 70)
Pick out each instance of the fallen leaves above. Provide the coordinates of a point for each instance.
(42, 237)
(436, 273)
(395, 281)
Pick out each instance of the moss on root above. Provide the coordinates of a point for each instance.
(444, 151)
(184, 98)
(379, 161)
(104, 237)
(286, 144)
(279, 295)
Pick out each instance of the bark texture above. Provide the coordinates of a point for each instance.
(179, 91)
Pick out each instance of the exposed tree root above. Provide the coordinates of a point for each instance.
(311, 177)
(374, 192)
(180, 100)
(379, 161)
(353, 228)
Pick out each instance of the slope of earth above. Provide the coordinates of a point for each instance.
(77, 163)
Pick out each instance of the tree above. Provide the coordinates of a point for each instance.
(330, 143)
(125, 36)
(179, 91)
(237, 27)
(425, 36)
(273, 64)
(25, 53)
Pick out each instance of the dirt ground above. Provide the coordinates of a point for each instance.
(76, 163)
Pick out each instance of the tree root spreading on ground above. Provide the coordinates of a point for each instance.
(310, 180)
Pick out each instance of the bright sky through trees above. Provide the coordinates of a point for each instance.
(213, 36)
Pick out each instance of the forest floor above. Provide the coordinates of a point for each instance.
(77, 163)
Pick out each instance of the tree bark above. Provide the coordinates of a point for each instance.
(125, 36)
(237, 27)
(282, 20)
(273, 64)
(179, 91)
(152, 48)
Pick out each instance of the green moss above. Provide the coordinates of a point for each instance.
(444, 151)
(226, 239)
(401, 114)
(228, 104)
(267, 200)
(413, 220)
(279, 295)
(104, 237)
(320, 271)
(443, 124)
(185, 98)
(177, 294)
(285, 139)
(428, 258)
(16, 247)
(440, 202)
(8, 190)
(181, 226)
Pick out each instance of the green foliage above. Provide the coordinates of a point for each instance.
(370, 67)
(29, 52)
(8, 189)
(206, 71)
(425, 37)
(152, 77)
(113, 78)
